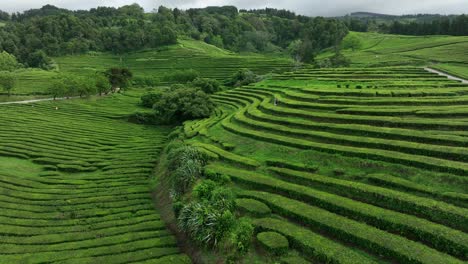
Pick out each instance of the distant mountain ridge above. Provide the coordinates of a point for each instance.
(369, 14)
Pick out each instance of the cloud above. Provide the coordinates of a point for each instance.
(306, 7)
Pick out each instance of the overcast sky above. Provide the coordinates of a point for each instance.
(307, 7)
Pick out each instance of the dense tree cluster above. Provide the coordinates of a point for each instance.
(411, 25)
(34, 35)
(443, 26)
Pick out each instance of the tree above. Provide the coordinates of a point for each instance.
(182, 103)
(7, 81)
(7, 62)
(242, 77)
(39, 59)
(102, 84)
(208, 86)
(84, 86)
(119, 78)
(58, 88)
(352, 42)
(294, 50)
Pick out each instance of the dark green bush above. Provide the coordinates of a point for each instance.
(208, 86)
(150, 98)
(182, 104)
(242, 77)
(204, 189)
(182, 76)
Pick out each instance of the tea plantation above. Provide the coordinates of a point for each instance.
(74, 185)
(352, 165)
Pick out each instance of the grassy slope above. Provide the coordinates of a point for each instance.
(209, 60)
(388, 50)
(324, 129)
(74, 184)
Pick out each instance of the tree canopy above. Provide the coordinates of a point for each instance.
(35, 35)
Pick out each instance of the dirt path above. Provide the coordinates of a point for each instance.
(36, 100)
(451, 77)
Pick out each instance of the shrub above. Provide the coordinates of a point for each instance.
(182, 104)
(204, 223)
(242, 77)
(148, 100)
(183, 76)
(186, 166)
(208, 86)
(223, 198)
(204, 189)
(339, 60)
(240, 237)
(146, 81)
(143, 118)
(273, 242)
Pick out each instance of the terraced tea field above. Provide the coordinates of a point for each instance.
(358, 165)
(208, 60)
(74, 185)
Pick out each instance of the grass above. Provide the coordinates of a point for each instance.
(74, 184)
(393, 50)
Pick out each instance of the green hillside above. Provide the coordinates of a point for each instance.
(208, 60)
(354, 165)
(395, 50)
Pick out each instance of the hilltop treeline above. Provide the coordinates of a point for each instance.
(411, 25)
(50, 31)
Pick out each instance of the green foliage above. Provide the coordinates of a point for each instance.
(240, 238)
(204, 223)
(339, 60)
(204, 189)
(146, 81)
(39, 59)
(181, 104)
(273, 242)
(102, 84)
(181, 76)
(209, 86)
(119, 77)
(71, 85)
(149, 99)
(242, 77)
(8, 62)
(352, 42)
(185, 165)
(8, 81)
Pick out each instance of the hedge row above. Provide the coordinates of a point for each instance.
(459, 199)
(312, 244)
(381, 155)
(438, 236)
(301, 129)
(362, 235)
(437, 211)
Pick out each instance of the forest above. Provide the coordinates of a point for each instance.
(36, 35)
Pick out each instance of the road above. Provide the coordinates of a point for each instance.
(451, 77)
(35, 100)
